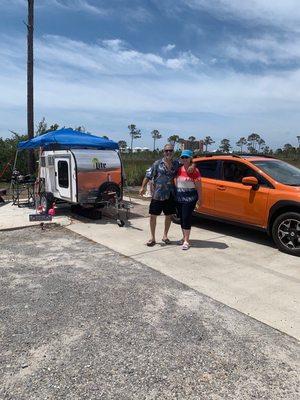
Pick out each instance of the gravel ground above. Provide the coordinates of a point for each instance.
(79, 321)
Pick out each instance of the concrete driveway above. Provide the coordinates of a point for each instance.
(238, 267)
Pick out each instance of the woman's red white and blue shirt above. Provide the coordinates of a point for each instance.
(186, 191)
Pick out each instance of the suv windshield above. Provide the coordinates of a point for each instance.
(280, 171)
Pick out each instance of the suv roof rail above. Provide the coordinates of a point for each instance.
(256, 155)
(237, 155)
(216, 154)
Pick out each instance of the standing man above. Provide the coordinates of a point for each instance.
(162, 173)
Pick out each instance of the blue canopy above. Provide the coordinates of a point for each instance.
(67, 139)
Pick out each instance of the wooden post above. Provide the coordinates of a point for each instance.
(30, 109)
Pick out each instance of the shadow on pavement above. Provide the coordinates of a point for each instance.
(224, 228)
(205, 244)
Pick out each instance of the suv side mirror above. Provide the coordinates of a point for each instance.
(250, 181)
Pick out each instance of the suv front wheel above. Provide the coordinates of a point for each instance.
(286, 233)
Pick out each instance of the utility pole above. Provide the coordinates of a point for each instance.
(298, 137)
(30, 114)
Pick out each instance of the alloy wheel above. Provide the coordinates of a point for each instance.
(289, 233)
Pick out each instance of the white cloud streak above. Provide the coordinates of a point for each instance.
(169, 47)
(274, 12)
(267, 50)
(109, 57)
(74, 5)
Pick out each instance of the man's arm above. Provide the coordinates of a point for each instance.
(144, 184)
(191, 168)
(148, 177)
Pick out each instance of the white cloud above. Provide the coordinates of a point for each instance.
(110, 57)
(74, 5)
(275, 12)
(168, 47)
(267, 50)
(114, 44)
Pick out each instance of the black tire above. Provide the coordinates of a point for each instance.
(109, 190)
(286, 233)
(46, 200)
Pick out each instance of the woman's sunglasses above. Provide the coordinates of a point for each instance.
(184, 157)
(168, 151)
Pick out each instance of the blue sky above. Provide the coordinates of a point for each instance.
(224, 68)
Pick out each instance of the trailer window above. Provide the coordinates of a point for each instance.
(50, 161)
(63, 174)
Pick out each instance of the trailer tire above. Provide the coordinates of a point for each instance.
(106, 189)
(46, 200)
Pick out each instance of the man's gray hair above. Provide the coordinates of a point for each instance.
(168, 145)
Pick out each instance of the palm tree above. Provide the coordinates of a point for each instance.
(134, 133)
(173, 139)
(225, 145)
(155, 135)
(122, 145)
(253, 140)
(241, 143)
(261, 144)
(207, 142)
(288, 148)
(181, 141)
(192, 138)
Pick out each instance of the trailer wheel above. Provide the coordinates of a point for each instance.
(46, 200)
(120, 223)
(108, 191)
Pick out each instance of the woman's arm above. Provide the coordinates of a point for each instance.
(199, 191)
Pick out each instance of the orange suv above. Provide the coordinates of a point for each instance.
(258, 191)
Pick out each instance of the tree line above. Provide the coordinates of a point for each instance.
(252, 144)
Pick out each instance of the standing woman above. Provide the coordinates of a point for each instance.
(188, 193)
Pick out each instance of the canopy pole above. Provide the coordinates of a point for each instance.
(14, 167)
(37, 185)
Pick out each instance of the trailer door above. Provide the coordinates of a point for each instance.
(63, 180)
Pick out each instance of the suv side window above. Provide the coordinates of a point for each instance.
(234, 171)
(208, 169)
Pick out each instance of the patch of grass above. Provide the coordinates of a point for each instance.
(135, 171)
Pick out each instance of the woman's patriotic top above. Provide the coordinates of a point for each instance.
(186, 191)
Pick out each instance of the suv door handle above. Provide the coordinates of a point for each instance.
(221, 187)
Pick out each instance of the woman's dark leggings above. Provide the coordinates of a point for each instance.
(185, 211)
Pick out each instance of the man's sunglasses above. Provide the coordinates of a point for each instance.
(184, 157)
(168, 151)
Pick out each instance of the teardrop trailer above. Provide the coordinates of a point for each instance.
(80, 169)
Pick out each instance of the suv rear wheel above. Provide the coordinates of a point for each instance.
(286, 233)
